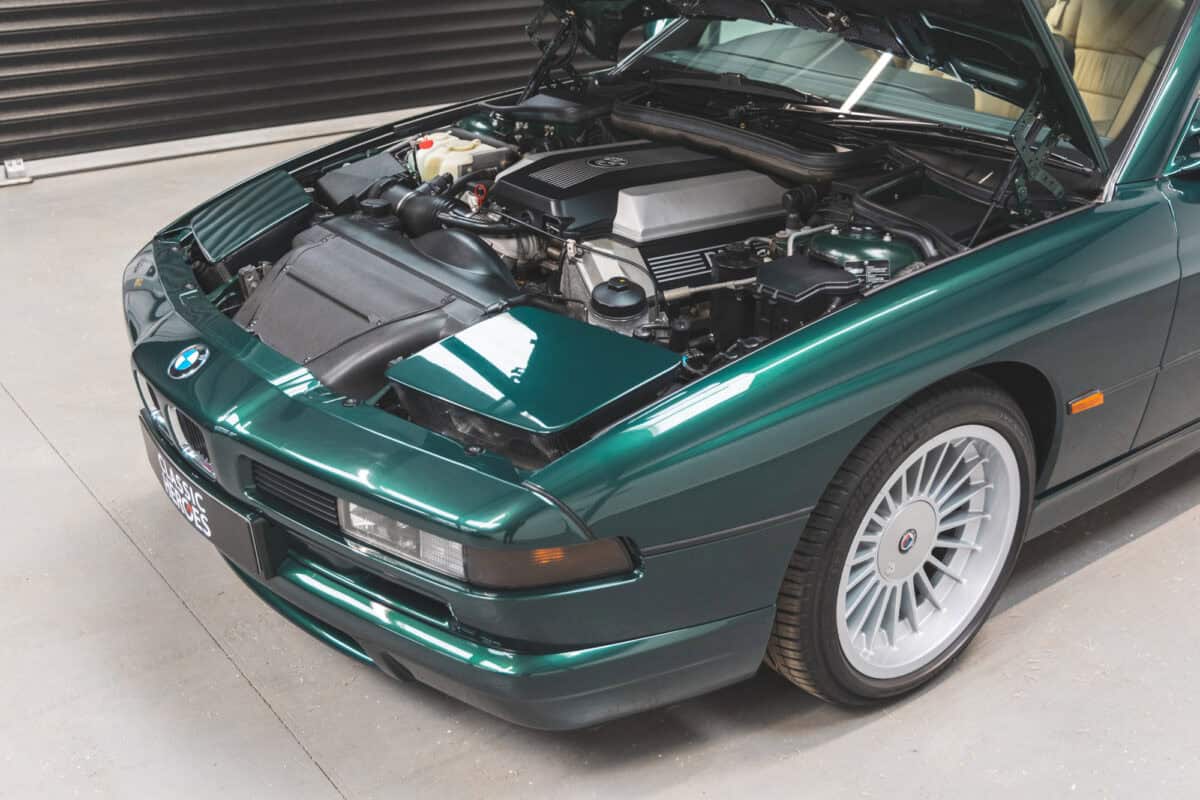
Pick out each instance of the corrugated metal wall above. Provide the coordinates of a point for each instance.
(94, 74)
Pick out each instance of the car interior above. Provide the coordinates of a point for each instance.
(1114, 48)
(1118, 47)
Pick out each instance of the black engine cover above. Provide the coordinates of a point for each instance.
(576, 191)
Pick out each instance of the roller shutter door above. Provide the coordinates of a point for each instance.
(96, 74)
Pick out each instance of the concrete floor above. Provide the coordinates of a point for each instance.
(135, 665)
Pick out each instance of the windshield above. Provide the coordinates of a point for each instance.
(850, 77)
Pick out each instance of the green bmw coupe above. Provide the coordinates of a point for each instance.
(771, 343)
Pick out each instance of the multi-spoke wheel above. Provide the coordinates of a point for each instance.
(908, 550)
(929, 551)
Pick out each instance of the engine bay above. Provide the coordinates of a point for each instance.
(706, 227)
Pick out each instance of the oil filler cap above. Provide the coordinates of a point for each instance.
(618, 298)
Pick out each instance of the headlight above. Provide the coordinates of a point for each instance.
(401, 540)
(494, 569)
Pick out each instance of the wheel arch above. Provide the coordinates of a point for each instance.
(1035, 395)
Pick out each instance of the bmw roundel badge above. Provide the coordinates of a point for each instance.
(188, 362)
(609, 162)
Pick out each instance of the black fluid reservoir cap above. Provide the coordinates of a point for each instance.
(734, 259)
(618, 298)
(737, 253)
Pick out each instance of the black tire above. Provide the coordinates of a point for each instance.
(804, 645)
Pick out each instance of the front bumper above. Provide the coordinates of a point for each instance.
(551, 691)
(409, 637)
(695, 615)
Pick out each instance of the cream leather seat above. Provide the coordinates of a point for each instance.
(985, 102)
(1118, 47)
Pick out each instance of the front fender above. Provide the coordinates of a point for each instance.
(760, 440)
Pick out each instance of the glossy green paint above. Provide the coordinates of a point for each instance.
(269, 405)
(1173, 402)
(523, 368)
(1085, 300)
(711, 485)
(549, 690)
(657, 598)
(461, 650)
(265, 408)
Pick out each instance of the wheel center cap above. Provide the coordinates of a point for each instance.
(907, 541)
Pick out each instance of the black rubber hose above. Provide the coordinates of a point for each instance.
(767, 154)
(545, 302)
(919, 238)
(488, 139)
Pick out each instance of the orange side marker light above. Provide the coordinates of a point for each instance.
(1087, 402)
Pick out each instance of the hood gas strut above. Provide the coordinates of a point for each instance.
(558, 53)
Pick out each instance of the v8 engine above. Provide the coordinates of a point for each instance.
(667, 237)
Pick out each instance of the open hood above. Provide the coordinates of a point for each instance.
(1001, 47)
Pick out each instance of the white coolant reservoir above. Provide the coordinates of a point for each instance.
(444, 153)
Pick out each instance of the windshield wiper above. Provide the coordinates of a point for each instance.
(732, 82)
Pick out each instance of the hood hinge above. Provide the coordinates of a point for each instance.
(1032, 150)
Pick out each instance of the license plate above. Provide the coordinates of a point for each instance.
(233, 533)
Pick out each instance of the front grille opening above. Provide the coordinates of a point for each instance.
(290, 494)
(193, 436)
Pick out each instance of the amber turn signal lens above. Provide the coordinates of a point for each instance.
(490, 569)
(547, 566)
(1087, 402)
(549, 555)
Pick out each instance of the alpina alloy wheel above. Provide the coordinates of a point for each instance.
(929, 551)
(908, 550)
